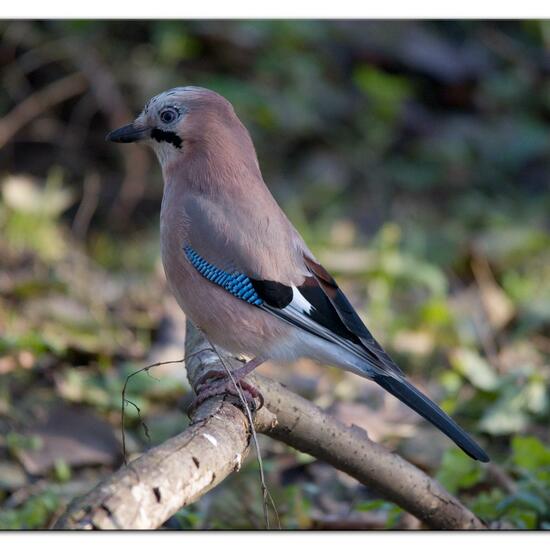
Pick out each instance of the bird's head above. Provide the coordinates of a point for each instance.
(174, 119)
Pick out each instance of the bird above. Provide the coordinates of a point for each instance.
(237, 266)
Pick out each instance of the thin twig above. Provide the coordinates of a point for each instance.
(87, 206)
(124, 400)
(39, 102)
(265, 491)
(143, 425)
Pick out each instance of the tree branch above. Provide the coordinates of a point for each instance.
(307, 428)
(37, 103)
(152, 488)
(149, 490)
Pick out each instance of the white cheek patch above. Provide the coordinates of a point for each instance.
(164, 151)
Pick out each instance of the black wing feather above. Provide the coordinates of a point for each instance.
(418, 402)
(350, 319)
(278, 296)
(323, 311)
(331, 310)
(272, 293)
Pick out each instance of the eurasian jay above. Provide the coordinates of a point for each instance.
(236, 265)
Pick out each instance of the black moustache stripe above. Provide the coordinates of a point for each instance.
(169, 137)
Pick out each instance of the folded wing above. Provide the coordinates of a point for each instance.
(319, 307)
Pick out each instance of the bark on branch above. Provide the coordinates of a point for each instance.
(149, 490)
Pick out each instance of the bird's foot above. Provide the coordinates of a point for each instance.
(217, 382)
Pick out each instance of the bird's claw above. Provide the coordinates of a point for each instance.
(216, 382)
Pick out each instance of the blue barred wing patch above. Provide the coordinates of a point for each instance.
(235, 283)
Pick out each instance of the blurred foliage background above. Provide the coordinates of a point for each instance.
(413, 156)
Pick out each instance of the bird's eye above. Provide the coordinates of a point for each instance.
(167, 116)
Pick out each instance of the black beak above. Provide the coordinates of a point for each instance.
(128, 134)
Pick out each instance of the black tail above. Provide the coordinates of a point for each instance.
(417, 401)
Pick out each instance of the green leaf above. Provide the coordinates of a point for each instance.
(386, 91)
(392, 510)
(458, 471)
(34, 513)
(485, 504)
(530, 453)
(522, 499)
(525, 519)
(503, 418)
(62, 471)
(371, 505)
(475, 369)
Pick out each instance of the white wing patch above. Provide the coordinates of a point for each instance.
(299, 313)
(299, 303)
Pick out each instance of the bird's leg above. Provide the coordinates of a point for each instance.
(216, 382)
